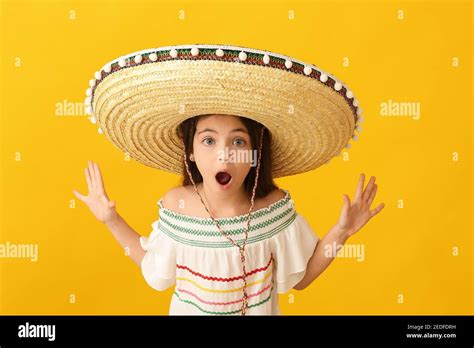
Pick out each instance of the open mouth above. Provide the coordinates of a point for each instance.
(223, 178)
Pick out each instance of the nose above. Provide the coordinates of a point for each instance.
(226, 152)
(223, 154)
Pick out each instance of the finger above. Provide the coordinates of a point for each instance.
(372, 195)
(368, 189)
(79, 195)
(360, 186)
(91, 174)
(99, 181)
(88, 179)
(377, 210)
(347, 204)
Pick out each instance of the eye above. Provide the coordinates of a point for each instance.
(205, 141)
(239, 142)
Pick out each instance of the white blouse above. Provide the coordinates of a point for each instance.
(205, 267)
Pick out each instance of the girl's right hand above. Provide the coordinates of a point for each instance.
(97, 199)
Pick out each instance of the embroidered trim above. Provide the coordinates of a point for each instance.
(224, 303)
(206, 233)
(226, 244)
(224, 313)
(179, 290)
(256, 270)
(226, 290)
(227, 220)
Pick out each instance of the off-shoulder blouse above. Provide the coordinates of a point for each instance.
(191, 254)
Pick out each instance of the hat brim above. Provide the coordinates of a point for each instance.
(139, 106)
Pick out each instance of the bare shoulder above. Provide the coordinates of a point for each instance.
(173, 198)
(270, 198)
(182, 199)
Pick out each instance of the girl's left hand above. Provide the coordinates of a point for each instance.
(355, 215)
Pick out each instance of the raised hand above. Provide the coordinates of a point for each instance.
(97, 199)
(354, 216)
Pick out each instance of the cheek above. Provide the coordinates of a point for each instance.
(241, 170)
(204, 160)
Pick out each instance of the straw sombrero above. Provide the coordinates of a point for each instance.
(139, 99)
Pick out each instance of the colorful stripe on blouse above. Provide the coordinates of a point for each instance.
(191, 291)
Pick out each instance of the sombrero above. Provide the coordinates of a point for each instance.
(139, 100)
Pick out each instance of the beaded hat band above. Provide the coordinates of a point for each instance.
(139, 100)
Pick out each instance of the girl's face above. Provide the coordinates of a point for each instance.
(222, 151)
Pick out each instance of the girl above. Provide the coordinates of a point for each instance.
(227, 202)
(229, 239)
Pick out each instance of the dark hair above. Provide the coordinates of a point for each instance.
(265, 184)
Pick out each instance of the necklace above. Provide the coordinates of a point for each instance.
(244, 307)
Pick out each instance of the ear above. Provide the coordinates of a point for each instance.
(191, 157)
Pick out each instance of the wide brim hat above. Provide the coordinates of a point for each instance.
(138, 101)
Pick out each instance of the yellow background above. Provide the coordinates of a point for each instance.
(408, 250)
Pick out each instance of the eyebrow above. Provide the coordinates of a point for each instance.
(233, 130)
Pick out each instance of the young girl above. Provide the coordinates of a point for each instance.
(183, 249)
(229, 239)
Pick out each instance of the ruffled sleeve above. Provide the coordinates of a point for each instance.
(159, 263)
(292, 248)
